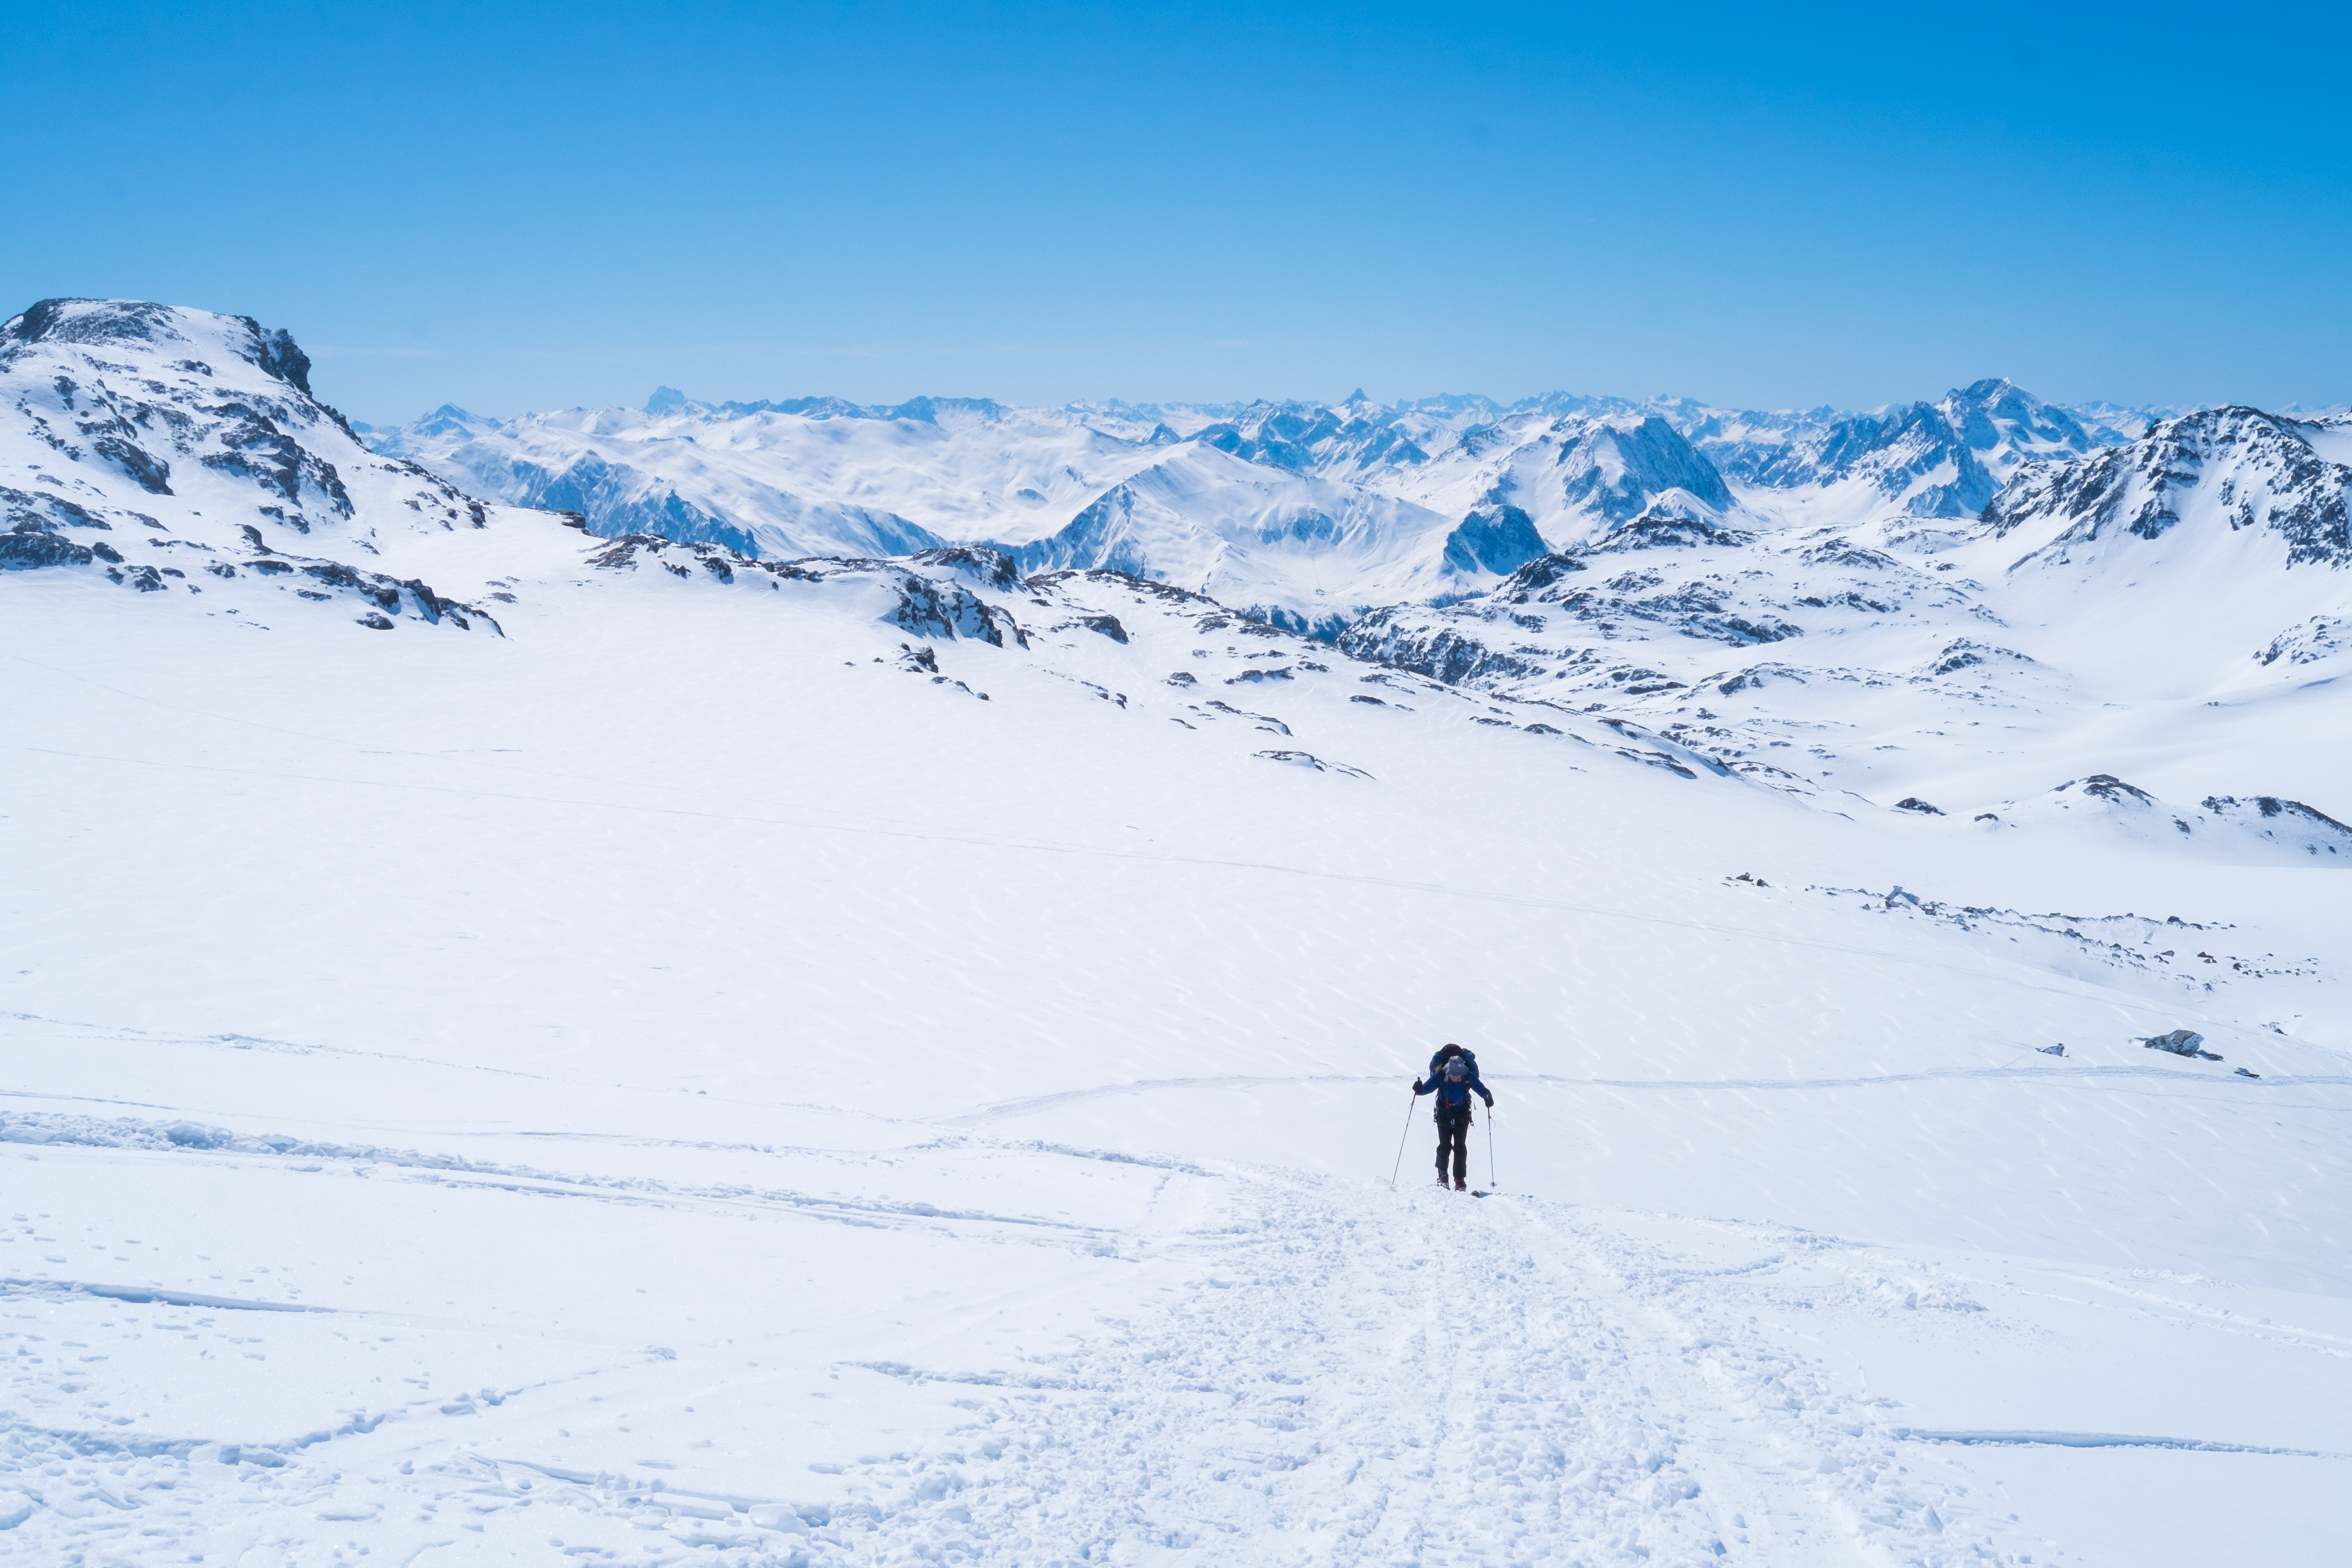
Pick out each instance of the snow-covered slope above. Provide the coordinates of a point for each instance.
(1292, 548)
(178, 451)
(2229, 529)
(843, 1060)
(2205, 565)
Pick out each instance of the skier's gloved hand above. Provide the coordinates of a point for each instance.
(1418, 1086)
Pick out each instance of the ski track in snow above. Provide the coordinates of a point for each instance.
(1473, 1380)
(1333, 1373)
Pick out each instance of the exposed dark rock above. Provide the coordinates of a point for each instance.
(257, 450)
(1494, 537)
(1309, 759)
(1759, 674)
(2109, 788)
(111, 320)
(948, 609)
(2180, 1042)
(150, 472)
(990, 565)
(275, 351)
(384, 590)
(1652, 531)
(1962, 654)
(1267, 720)
(1534, 576)
(1845, 552)
(2264, 469)
(1322, 628)
(29, 550)
(1913, 803)
(2284, 821)
(1442, 655)
(2316, 638)
(40, 513)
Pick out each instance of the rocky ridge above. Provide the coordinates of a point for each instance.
(156, 445)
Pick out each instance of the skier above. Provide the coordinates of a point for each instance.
(1454, 1084)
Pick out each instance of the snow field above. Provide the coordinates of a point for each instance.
(683, 982)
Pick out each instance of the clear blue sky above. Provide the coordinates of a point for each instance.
(518, 206)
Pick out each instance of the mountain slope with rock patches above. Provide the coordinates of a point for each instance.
(176, 451)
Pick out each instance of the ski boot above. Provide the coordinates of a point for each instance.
(1460, 1185)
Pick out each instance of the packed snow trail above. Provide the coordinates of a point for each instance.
(1054, 1355)
(1310, 1371)
(1369, 1378)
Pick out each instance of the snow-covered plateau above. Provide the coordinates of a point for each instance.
(895, 969)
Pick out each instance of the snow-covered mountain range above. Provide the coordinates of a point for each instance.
(837, 989)
(1311, 515)
(1832, 619)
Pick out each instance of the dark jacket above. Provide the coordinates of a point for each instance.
(1454, 1096)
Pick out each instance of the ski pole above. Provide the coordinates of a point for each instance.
(1492, 1185)
(1400, 1138)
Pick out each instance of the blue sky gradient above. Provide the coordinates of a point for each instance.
(529, 206)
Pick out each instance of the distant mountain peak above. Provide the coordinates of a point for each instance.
(664, 399)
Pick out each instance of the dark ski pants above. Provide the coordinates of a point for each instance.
(1454, 1138)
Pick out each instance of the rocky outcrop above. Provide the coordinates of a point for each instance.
(925, 606)
(2236, 468)
(185, 437)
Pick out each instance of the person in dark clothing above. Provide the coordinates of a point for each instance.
(1454, 1084)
